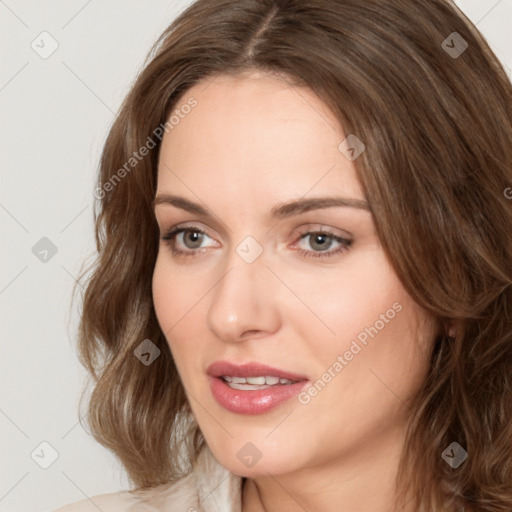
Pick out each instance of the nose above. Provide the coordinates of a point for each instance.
(244, 301)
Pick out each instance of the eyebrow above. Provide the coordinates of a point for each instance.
(279, 211)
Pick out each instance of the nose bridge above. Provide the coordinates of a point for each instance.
(242, 299)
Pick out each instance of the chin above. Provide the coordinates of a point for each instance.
(254, 459)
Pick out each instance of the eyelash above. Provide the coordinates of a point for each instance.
(170, 236)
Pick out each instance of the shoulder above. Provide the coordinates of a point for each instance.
(209, 487)
(180, 495)
(117, 502)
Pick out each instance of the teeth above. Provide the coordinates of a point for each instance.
(246, 387)
(260, 381)
(257, 381)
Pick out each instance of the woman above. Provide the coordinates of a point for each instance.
(302, 299)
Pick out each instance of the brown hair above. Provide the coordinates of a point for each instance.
(438, 161)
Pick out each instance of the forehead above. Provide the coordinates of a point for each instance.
(255, 135)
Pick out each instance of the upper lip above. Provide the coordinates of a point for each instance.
(251, 369)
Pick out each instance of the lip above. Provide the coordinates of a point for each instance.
(220, 368)
(256, 401)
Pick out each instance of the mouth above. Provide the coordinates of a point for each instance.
(252, 388)
(252, 383)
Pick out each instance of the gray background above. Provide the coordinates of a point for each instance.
(55, 113)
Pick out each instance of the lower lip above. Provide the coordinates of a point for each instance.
(255, 401)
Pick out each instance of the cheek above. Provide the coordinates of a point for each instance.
(171, 299)
(369, 321)
(178, 299)
(174, 293)
(347, 299)
(164, 299)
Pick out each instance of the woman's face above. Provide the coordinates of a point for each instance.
(263, 285)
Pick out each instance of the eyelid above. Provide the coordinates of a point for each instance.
(307, 228)
(316, 227)
(184, 227)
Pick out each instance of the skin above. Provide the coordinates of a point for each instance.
(252, 142)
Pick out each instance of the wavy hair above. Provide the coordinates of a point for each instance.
(436, 119)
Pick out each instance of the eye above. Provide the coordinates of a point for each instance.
(189, 237)
(321, 241)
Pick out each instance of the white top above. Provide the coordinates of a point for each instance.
(208, 488)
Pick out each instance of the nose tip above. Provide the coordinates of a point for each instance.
(243, 305)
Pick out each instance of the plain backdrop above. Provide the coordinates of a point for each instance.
(55, 114)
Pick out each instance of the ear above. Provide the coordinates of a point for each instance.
(451, 330)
